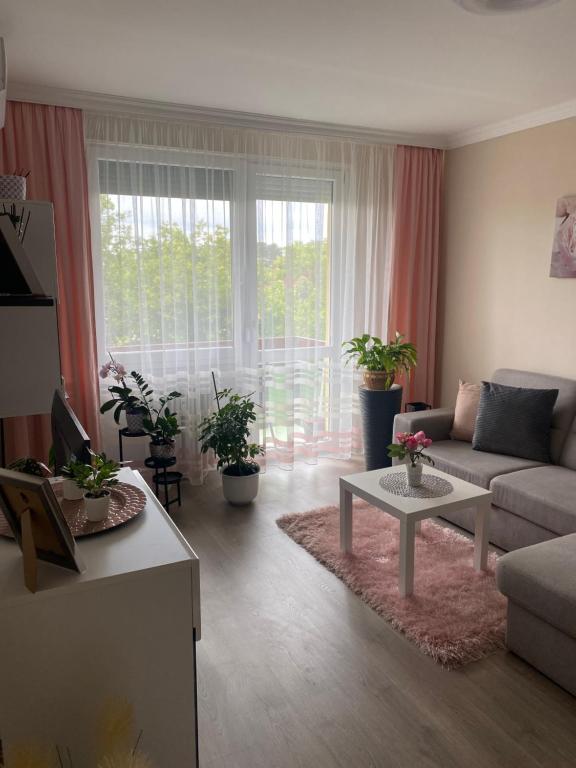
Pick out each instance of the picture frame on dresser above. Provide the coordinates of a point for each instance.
(38, 524)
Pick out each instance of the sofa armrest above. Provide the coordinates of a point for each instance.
(436, 423)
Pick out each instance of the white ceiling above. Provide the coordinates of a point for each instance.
(419, 66)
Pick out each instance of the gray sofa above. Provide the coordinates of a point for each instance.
(532, 502)
(540, 584)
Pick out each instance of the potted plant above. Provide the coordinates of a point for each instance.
(160, 423)
(411, 446)
(96, 479)
(123, 397)
(71, 472)
(381, 362)
(380, 397)
(30, 466)
(227, 433)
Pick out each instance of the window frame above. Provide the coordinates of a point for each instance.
(244, 350)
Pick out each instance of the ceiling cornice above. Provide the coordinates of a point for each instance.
(521, 123)
(99, 102)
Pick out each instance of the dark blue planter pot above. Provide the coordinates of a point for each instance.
(378, 408)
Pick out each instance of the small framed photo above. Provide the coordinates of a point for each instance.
(34, 514)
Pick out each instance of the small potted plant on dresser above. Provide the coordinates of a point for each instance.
(123, 398)
(227, 433)
(96, 479)
(71, 473)
(380, 396)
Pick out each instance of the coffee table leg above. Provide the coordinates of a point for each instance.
(481, 536)
(345, 520)
(407, 532)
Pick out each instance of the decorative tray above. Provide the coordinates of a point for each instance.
(126, 503)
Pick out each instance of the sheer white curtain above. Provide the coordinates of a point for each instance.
(248, 253)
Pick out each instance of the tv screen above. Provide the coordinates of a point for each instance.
(69, 438)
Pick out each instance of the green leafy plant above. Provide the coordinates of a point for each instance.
(161, 423)
(74, 469)
(123, 397)
(30, 466)
(370, 353)
(97, 477)
(227, 433)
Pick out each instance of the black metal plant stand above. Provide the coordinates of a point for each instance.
(125, 432)
(165, 478)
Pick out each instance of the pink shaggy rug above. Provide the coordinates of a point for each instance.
(455, 615)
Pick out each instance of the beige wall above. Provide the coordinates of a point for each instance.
(498, 307)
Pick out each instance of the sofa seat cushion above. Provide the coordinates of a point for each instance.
(459, 459)
(544, 495)
(542, 580)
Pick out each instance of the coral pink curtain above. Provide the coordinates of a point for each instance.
(49, 142)
(416, 241)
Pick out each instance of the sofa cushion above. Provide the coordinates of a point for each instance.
(564, 410)
(465, 411)
(515, 421)
(542, 579)
(459, 459)
(545, 496)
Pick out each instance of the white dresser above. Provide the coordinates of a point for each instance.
(126, 627)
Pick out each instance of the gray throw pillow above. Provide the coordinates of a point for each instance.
(514, 421)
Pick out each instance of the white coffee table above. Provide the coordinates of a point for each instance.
(410, 511)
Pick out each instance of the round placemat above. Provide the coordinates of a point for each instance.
(126, 503)
(433, 487)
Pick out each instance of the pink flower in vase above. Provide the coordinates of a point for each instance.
(411, 443)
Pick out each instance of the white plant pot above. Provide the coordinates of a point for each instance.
(414, 475)
(240, 489)
(71, 490)
(97, 507)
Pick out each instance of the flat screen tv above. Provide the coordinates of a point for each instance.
(69, 438)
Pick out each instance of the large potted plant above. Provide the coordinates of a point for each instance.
(380, 396)
(96, 479)
(227, 433)
(123, 399)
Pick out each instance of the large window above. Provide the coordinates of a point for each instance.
(229, 258)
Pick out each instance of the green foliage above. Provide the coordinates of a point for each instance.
(123, 399)
(161, 423)
(29, 466)
(227, 430)
(184, 281)
(371, 353)
(98, 476)
(74, 469)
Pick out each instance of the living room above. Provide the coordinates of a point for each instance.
(288, 412)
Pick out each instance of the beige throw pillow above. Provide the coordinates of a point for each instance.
(465, 411)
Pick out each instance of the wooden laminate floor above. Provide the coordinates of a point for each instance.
(295, 671)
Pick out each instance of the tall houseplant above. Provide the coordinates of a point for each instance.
(381, 363)
(380, 397)
(227, 433)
